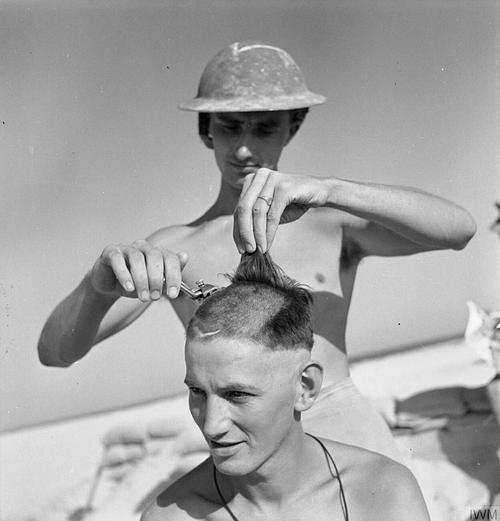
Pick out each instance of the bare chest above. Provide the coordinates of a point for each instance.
(309, 250)
(322, 505)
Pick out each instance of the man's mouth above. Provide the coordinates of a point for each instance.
(248, 167)
(223, 445)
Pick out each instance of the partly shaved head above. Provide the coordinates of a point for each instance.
(261, 304)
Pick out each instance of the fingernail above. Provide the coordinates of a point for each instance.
(261, 250)
(172, 293)
(129, 286)
(155, 294)
(145, 295)
(249, 248)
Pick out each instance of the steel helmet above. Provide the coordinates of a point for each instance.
(252, 77)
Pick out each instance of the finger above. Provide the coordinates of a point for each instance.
(237, 235)
(173, 279)
(247, 182)
(136, 262)
(236, 221)
(254, 184)
(243, 232)
(183, 259)
(154, 267)
(274, 215)
(242, 221)
(113, 257)
(261, 209)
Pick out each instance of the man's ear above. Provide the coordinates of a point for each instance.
(311, 379)
(296, 119)
(294, 127)
(208, 140)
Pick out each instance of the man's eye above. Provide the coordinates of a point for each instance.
(195, 391)
(264, 132)
(230, 128)
(238, 396)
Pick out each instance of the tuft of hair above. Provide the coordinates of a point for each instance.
(261, 304)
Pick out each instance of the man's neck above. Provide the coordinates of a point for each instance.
(280, 477)
(224, 205)
(227, 199)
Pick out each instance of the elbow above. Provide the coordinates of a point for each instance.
(44, 354)
(468, 230)
(48, 358)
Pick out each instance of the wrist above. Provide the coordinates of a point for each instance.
(335, 189)
(97, 296)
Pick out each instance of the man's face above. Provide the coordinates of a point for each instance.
(242, 396)
(246, 141)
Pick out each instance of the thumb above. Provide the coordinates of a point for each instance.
(183, 259)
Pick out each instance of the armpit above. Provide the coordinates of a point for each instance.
(350, 254)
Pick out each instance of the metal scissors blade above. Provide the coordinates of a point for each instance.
(201, 292)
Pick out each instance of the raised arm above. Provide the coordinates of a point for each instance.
(91, 312)
(388, 220)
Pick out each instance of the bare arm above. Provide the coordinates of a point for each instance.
(83, 318)
(71, 329)
(400, 220)
(387, 220)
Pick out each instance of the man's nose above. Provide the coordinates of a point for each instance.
(216, 421)
(245, 145)
(243, 152)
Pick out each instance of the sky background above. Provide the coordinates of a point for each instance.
(94, 151)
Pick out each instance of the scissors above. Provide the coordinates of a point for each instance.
(201, 292)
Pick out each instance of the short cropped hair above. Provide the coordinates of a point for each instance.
(261, 304)
(296, 115)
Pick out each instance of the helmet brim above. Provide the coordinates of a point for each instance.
(259, 104)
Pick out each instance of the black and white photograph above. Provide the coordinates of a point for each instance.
(250, 260)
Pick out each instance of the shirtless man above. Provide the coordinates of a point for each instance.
(251, 102)
(251, 377)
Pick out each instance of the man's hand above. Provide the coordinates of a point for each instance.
(138, 270)
(270, 198)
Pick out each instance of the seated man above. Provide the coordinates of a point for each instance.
(250, 377)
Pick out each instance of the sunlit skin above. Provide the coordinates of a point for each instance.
(332, 225)
(244, 397)
(243, 142)
(247, 400)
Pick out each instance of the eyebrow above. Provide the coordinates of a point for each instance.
(236, 386)
(226, 118)
(240, 387)
(268, 122)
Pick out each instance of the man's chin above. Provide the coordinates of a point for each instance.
(230, 468)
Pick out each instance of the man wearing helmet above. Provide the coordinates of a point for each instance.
(251, 101)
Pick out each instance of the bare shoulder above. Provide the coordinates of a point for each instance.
(190, 497)
(377, 487)
(171, 236)
(196, 235)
